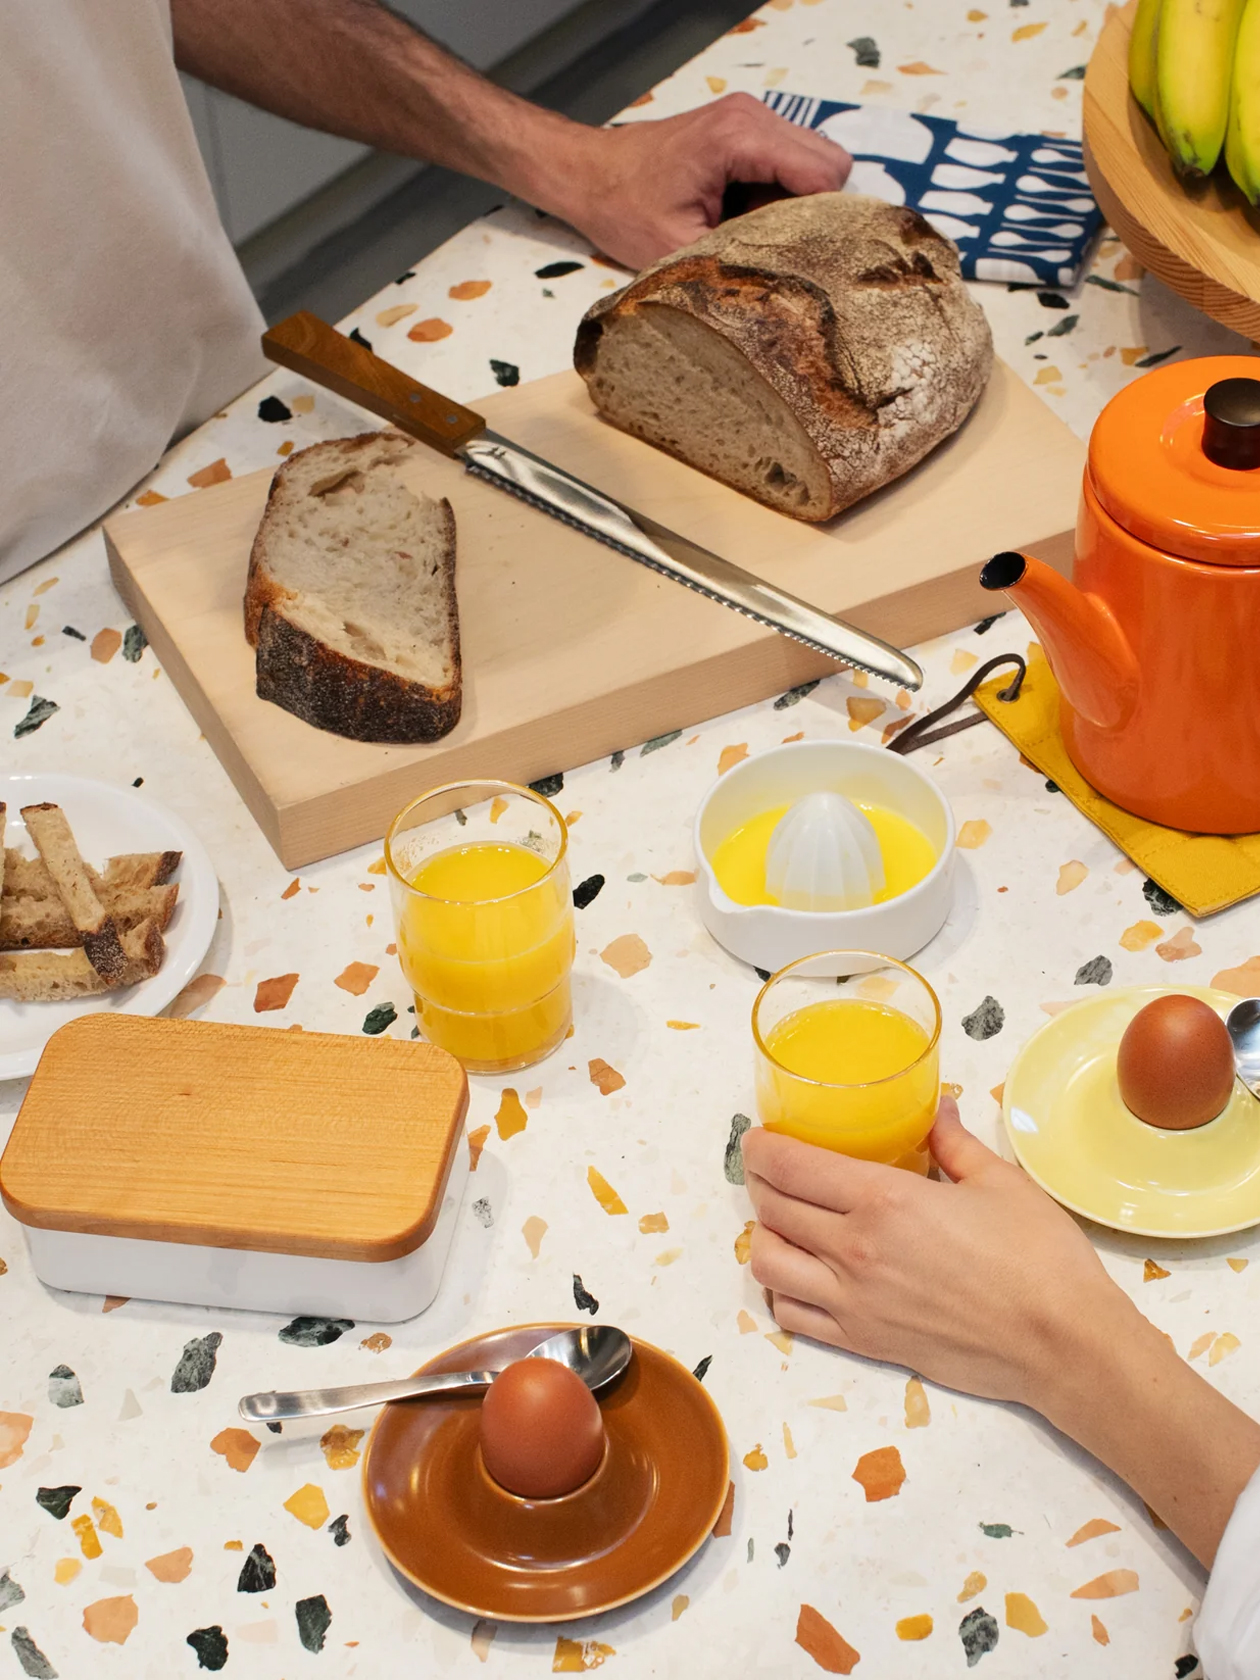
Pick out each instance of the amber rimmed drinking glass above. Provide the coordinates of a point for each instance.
(847, 1056)
(479, 879)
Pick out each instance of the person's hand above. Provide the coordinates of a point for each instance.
(978, 1284)
(644, 189)
(987, 1286)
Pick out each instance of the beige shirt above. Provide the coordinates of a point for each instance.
(125, 318)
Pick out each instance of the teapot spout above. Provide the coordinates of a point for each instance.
(1089, 653)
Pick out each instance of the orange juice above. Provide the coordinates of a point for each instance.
(854, 1075)
(486, 944)
(739, 860)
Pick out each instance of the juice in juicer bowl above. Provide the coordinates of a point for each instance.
(770, 936)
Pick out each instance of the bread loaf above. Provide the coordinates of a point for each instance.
(806, 353)
(350, 602)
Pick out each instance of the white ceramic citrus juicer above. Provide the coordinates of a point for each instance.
(823, 862)
(824, 855)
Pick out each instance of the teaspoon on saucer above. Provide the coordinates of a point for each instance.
(1243, 1024)
(597, 1353)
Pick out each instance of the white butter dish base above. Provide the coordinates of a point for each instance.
(379, 1291)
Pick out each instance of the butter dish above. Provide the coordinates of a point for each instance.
(233, 1166)
(770, 935)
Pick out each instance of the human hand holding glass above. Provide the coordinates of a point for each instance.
(984, 1284)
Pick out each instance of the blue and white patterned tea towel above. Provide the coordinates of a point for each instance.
(1018, 206)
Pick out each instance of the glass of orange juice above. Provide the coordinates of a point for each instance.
(479, 877)
(847, 1047)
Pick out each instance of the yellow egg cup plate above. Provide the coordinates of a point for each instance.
(1072, 1133)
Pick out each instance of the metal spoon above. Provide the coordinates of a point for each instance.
(597, 1353)
(1243, 1023)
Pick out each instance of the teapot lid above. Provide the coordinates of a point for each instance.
(1175, 459)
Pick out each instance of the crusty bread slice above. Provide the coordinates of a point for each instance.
(351, 603)
(52, 976)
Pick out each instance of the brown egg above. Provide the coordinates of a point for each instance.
(541, 1429)
(1176, 1064)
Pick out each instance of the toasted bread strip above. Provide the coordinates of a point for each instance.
(49, 977)
(138, 870)
(47, 826)
(29, 878)
(26, 923)
(26, 877)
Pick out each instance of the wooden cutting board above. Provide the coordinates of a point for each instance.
(570, 650)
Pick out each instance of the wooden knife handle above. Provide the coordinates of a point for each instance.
(319, 353)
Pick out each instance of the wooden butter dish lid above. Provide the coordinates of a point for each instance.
(236, 1137)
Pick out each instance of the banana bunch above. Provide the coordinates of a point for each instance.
(1242, 131)
(1194, 68)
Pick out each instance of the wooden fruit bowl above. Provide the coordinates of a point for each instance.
(1203, 239)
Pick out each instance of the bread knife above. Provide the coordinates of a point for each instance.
(310, 347)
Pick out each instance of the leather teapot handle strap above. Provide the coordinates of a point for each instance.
(921, 734)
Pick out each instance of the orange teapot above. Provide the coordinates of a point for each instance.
(1155, 643)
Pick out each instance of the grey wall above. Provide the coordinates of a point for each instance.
(262, 166)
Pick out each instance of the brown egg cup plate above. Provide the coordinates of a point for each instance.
(452, 1531)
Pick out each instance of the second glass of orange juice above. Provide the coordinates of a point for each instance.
(480, 884)
(847, 1047)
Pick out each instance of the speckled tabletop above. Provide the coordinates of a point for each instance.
(145, 1534)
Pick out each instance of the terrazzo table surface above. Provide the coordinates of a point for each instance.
(191, 1542)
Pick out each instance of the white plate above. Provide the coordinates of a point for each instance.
(107, 820)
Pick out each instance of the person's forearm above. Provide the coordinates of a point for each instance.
(982, 1283)
(1121, 1391)
(637, 191)
(353, 68)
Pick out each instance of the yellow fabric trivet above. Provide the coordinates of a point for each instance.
(1203, 872)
